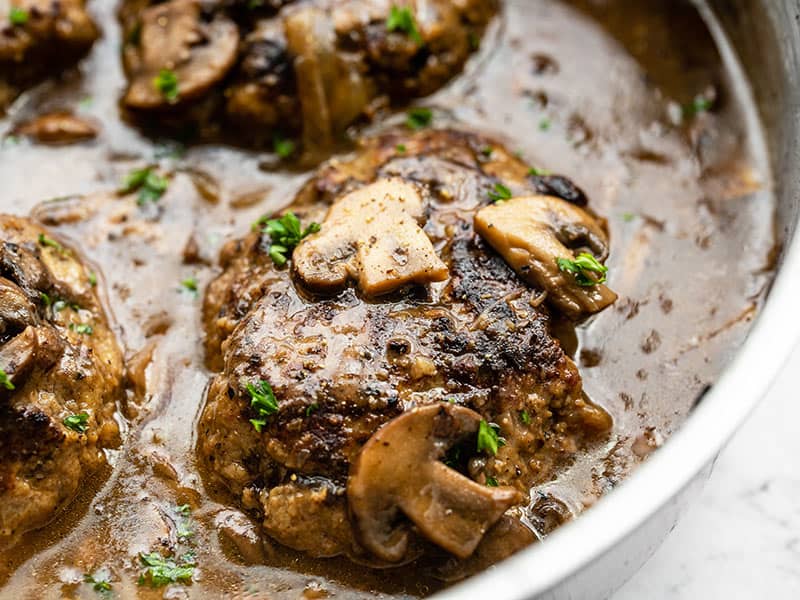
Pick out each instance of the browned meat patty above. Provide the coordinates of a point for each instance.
(436, 339)
(60, 377)
(315, 66)
(40, 38)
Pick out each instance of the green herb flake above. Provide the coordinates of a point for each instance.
(50, 243)
(159, 571)
(148, 182)
(700, 104)
(402, 19)
(312, 408)
(283, 147)
(536, 172)
(487, 151)
(285, 233)
(489, 439)
(583, 267)
(263, 401)
(18, 16)
(183, 522)
(99, 583)
(419, 118)
(474, 41)
(190, 285)
(525, 417)
(628, 217)
(92, 277)
(401, 148)
(166, 82)
(78, 423)
(545, 124)
(81, 328)
(500, 193)
(5, 381)
(86, 103)
(491, 481)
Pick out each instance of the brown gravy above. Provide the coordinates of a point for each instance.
(592, 89)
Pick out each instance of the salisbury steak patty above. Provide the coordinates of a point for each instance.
(40, 38)
(431, 340)
(288, 67)
(60, 377)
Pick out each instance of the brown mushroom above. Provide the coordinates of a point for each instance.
(533, 232)
(22, 265)
(399, 470)
(373, 236)
(175, 38)
(16, 311)
(58, 128)
(35, 346)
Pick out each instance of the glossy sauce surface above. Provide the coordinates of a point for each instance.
(592, 90)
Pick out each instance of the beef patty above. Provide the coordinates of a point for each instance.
(60, 377)
(284, 67)
(455, 362)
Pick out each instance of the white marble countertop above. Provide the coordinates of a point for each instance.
(741, 538)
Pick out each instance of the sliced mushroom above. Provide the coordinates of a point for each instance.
(36, 346)
(399, 470)
(58, 128)
(16, 311)
(533, 232)
(373, 236)
(175, 37)
(21, 265)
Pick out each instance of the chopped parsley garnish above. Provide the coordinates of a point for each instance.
(92, 277)
(582, 266)
(489, 439)
(628, 217)
(159, 571)
(190, 285)
(402, 19)
(699, 104)
(82, 328)
(285, 234)
(419, 118)
(85, 103)
(500, 193)
(401, 148)
(166, 82)
(312, 408)
(5, 381)
(263, 400)
(100, 583)
(525, 417)
(18, 16)
(78, 423)
(491, 481)
(183, 522)
(544, 124)
(282, 147)
(148, 182)
(474, 41)
(487, 151)
(46, 241)
(534, 172)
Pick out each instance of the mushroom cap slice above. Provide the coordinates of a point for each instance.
(373, 236)
(399, 470)
(532, 232)
(175, 37)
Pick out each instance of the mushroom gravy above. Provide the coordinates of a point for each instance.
(631, 100)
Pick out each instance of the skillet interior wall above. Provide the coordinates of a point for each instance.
(597, 112)
(766, 38)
